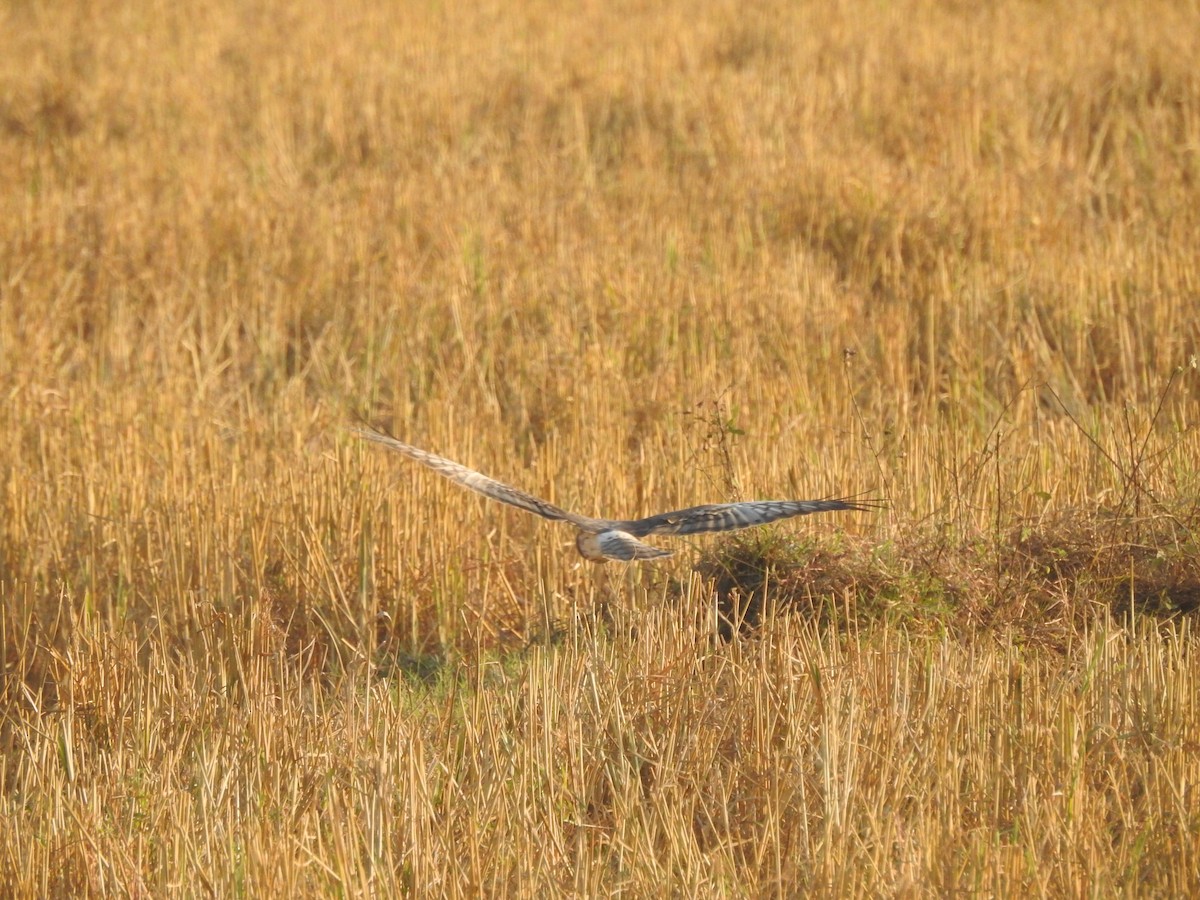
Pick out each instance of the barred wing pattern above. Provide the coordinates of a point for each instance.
(475, 481)
(732, 516)
(604, 539)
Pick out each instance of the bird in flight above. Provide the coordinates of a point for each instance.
(600, 540)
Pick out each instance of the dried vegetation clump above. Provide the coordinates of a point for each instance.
(1046, 580)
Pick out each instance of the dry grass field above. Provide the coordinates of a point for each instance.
(629, 257)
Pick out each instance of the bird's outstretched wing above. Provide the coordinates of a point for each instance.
(602, 539)
(476, 481)
(732, 516)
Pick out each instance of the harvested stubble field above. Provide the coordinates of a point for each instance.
(630, 257)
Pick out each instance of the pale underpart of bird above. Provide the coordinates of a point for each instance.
(600, 540)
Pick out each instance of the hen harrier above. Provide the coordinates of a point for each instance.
(600, 540)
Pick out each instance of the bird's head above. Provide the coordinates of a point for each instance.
(588, 546)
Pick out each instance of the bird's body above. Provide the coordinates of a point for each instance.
(600, 540)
